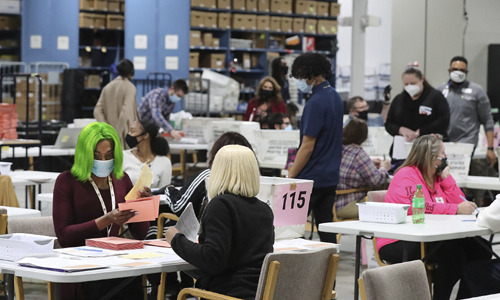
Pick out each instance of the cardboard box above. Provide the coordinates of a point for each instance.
(310, 26)
(87, 4)
(99, 21)
(101, 5)
(86, 20)
(275, 6)
(275, 24)
(298, 25)
(122, 7)
(244, 22)
(239, 5)
(334, 9)
(195, 38)
(263, 22)
(286, 6)
(331, 27)
(213, 60)
(115, 22)
(207, 39)
(263, 5)
(247, 61)
(209, 3)
(114, 5)
(196, 3)
(224, 4)
(286, 24)
(194, 60)
(210, 20)
(197, 18)
(251, 5)
(322, 9)
(224, 20)
(215, 42)
(92, 81)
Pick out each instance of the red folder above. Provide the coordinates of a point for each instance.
(147, 208)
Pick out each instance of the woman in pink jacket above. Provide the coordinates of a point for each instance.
(426, 165)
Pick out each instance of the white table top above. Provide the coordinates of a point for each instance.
(20, 177)
(435, 228)
(34, 152)
(480, 182)
(17, 212)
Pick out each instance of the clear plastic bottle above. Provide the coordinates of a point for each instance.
(418, 206)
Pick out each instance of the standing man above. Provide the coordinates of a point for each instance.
(117, 104)
(159, 103)
(469, 108)
(320, 151)
(358, 107)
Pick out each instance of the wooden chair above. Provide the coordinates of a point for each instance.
(289, 275)
(3, 220)
(345, 192)
(406, 280)
(159, 235)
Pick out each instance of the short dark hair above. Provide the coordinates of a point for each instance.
(228, 138)
(459, 58)
(309, 65)
(159, 144)
(352, 101)
(276, 118)
(181, 84)
(355, 132)
(125, 68)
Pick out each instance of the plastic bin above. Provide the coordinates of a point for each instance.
(393, 213)
(17, 245)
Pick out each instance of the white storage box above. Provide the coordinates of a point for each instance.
(273, 145)
(244, 128)
(383, 212)
(200, 128)
(17, 245)
(289, 200)
(378, 142)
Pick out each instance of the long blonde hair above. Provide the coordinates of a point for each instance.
(424, 151)
(235, 170)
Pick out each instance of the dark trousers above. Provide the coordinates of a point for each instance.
(482, 277)
(451, 258)
(321, 204)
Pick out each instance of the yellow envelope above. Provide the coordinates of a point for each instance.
(145, 179)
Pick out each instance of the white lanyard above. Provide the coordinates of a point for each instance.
(112, 191)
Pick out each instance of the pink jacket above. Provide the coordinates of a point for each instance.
(443, 200)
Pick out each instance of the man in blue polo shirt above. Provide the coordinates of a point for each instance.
(320, 151)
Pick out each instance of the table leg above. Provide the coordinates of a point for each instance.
(161, 287)
(357, 267)
(405, 252)
(51, 290)
(18, 285)
(9, 286)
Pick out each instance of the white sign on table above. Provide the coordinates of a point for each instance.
(244, 128)
(378, 142)
(273, 145)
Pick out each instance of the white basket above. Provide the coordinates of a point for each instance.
(383, 212)
(17, 245)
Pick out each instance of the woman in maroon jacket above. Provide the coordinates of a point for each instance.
(267, 100)
(85, 203)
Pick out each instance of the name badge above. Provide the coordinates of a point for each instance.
(425, 110)
(467, 91)
(439, 199)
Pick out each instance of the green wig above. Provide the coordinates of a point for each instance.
(88, 139)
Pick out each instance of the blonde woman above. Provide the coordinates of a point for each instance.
(236, 227)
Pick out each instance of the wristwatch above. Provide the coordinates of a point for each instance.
(491, 148)
(387, 102)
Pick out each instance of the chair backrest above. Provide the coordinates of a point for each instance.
(3, 220)
(301, 275)
(376, 196)
(406, 280)
(36, 225)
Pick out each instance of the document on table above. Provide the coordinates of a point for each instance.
(399, 150)
(188, 223)
(145, 179)
(60, 264)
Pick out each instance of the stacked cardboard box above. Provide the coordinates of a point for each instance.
(8, 121)
(115, 22)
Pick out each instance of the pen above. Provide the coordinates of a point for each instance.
(465, 200)
(384, 156)
(87, 249)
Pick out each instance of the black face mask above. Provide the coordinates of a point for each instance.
(265, 94)
(443, 165)
(363, 115)
(284, 70)
(132, 140)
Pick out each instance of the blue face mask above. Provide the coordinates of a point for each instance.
(102, 168)
(174, 98)
(303, 86)
(288, 127)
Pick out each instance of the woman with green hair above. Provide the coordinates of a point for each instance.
(86, 198)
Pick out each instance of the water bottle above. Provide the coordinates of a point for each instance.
(418, 206)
